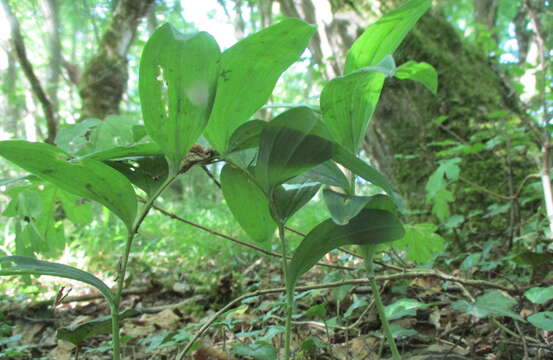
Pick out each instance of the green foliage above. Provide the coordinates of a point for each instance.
(79, 333)
(493, 303)
(421, 72)
(292, 143)
(403, 307)
(20, 265)
(368, 227)
(178, 75)
(248, 73)
(421, 242)
(542, 320)
(90, 179)
(539, 295)
(248, 203)
(383, 37)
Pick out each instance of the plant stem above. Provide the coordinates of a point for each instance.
(368, 252)
(124, 262)
(289, 293)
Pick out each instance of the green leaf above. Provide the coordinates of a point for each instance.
(403, 307)
(77, 334)
(356, 305)
(178, 75)
(421, 72)
(261, 351)
(343, 207)
(362, 169)
(148, 173)
(249, 72)
(421, 242)
(493, 303)
(248, 203)
(19, 265)
(326, 173)
(287, 199)
(122, 152)
(291, 144)
(347, 105)
(72, 138)
(368, 227)
(542, 320)
(384, 36)
(77, 210)
(247, 135)
(87, 178)
(401, 333)
(539, 295)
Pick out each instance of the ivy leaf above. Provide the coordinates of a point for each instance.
(421, 72)
(421, 242)
(493, 303)
(248, 203)
(384, 36)
(20, 265)
(368, 227)
(539, 295)
(249, 72)
(87, 178)
(291, 144)
(542, 320)
(177, 81)
(402, 308)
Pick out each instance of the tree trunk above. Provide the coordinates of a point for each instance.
(104, 79)
(50, 11)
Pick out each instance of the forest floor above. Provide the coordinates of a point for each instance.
(336, 323)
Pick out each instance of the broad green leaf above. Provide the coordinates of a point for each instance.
(493, 303)
(382, 202)
(347, 105)
(287, 199)
(539, 295)
(291, 144)
(178, 75)
(248, 203)
(262, 351)
(542, 320)
(72, 138)
(249, 72)
(87, 178)
(368, 227)
(326, 173)
(122, 152)
(343, 207)
(114, 131)
(77, 334)
(146, 172)
(19, 265)
(403, 307)
(384, 36)
(362, 169)
(441, 200)
(77, 210)
(421, 72)
(247, 135)
(421, 242)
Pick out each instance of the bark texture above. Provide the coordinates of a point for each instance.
(104, 79)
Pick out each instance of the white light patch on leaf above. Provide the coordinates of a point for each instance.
(198, 94)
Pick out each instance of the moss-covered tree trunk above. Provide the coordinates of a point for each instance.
(403, 139)
(104, 79)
